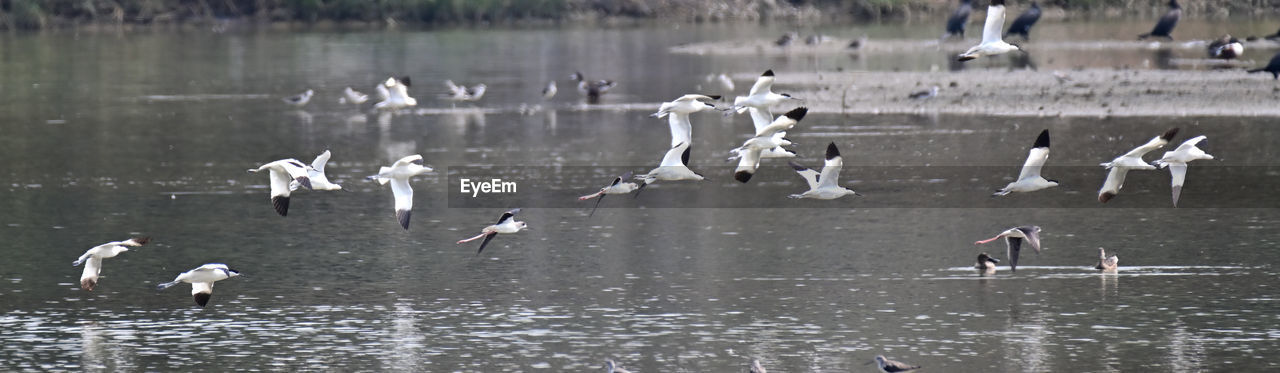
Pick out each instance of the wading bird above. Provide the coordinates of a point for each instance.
(92, 259)
(201, 280)
(506, 224)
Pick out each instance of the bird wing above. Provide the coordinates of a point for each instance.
(782, 123)
(507, 216)
(1033, 236)
(1014, 245)
(673, 156)
(1190, 144)
(416, 158)
(831, 169)
(484, 243)
(92, 268)
(320, 161)
(681, 129)
(403, 194)
(1153, 144)
(763, 84)
(1178, 172)
(279, 183)
(749, 161)
(1115, 179)
(201, 287)
(761, 118)
(1036, 157)
(810, 176)
(994, 24)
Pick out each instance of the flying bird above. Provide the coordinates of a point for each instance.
(825, 184)
(398, 175)
(1177, 160)
(315, 173)
(1166, 23)
(618, 186)
(92, 259)
(592, 88)
(761, 95)
(959, 18)
(299, 100)
(767, 138)
(986, 264)
(674, 166)
(892, 366)
(1108, 264)
(1272, 67)
(992, 44)
(1022, 24)
(1029, 180)
(283, 173)
(463, 93)
(506, 224)
(677, 113)
(397, 94)
(201, 280)
(351, 96)
(1132, 160)
(1013, 239)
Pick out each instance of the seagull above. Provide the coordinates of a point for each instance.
(1030, 180)
(1022, 24)
(1166, 23)
(283, 173)
(1130, 161)
(755, 367)
(892, 366)
(299, 100)
(1226, 48)
(398, 175)
(549, 91)
(315, 173)
(92, 259)
(960, 17)
(1177, 161)
(767, 138)
(611, 367)
(1108, 264)
(925, 94)
(1013, 239)
(201, 280)
(991, 44)
(592, 89)
(397, 94)
(462, 93)
(824, 185)
(1272, 67)
(674, 166)
(617, 187)
(351, 96)
(761, 95)
(986, 264)
(506, 224)
(678, 112)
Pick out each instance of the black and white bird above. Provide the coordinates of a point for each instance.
(1177, 160)
(398, 175)
(463, 93)
(1013, 238)
(674, 167)
(1132, 160)
(959, 18)
(1107, 264)
(283, 173)
(592, 88)
(92, 259)
(761, 95)
(506, 224)
(351, 96)
(892, 366)
(677, 114)
(612, 367)
(1272, 67)
(992, 43)
(1029, 180)
(825, 184)
(618, 186)
(986, 264)
(1226, 48)
(925, 94)
(396, 94)
(549, 91)
(299, 100)
(201, 280)
(768, 138)
(1166, 23)
(1022, 24)
(315, 173)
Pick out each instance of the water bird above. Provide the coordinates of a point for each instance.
(299, 100)
(1177, 160)
(674, 166)
(1166, 23)
(506, 224)
(618, 186)
(755, 367)
(1013, 238)
(766, 139)
(986, 264)
(549, 91)
(761, 95)
(760, 119)
(612, 367)
(1029, 180)
(315, 173)
(592, 88)
(925, 94)
(1132, 160)
(677, 113)
(892, 366)
(283, 173)
(1272, 67)
(351, 96)
(992, 44)
(463, 93)
(786, 39)
(398, 175)
(397, 94)
(825, 184)
(1108, 264)
(959, 18)
(201, 280)
(1226, 48)
(92, 259)
(1022, 24)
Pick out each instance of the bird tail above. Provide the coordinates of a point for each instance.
(1257, 70)
(166, 285)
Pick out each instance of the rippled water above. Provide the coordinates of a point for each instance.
(108, 136)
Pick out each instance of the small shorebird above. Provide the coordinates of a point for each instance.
(1013, 239)
(549, 91)
(92, 259)
(1108, 264)
(463, 93)
(201, 280)
(398, 175)
(299, 100)
(283, 173)
(1130, 161)
(1166, 23)
(674, 166)
(824, 185)
(397, 96)
(769, 138)
(506, 224)
(761, 95)
(1226, 48)
(925, 94)
(992, 44)
(1022, 24)
(1029, 180)
(986, 264)
(755, 367)
(1177, 161)
(1272, 67)
(892, 366)
(677, 113)
(592, 88)
(315, 173)
(351, 96)
(619, 186)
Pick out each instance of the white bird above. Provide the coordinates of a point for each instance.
(992, 43)
(768, 138)
(549, 91)
(1177, 161)
(1108, 264)
(892, 366)
(592, 88)
(299, 100)
(674, 166)
(398, 175)
(1013, 238)
(506, 224)
(619, 186)
(761, 95)
(92, 259)
(315, 173)
(824, 185)
(382, 91)
(397, 95)
(283, 173)
(612, 367)
(201, 280)
(462, 93)
(761, 118)
(351, 96)
(677, 113)
(1029, 180)
(1130, 161)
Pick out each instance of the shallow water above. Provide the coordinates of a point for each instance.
(111, 136)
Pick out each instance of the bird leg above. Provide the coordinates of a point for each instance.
(474, 238)
(590, 196)
(986, 240)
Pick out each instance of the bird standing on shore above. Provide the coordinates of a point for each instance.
(1177, 160)
(1132, 160)
(1022, 24)
(959, 18)
(1166, 23)
(992, 44)
(1013, 238)
(92, 259)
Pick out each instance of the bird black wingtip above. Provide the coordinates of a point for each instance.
(797, 166)
(797, 114)
(768, 72)
(1104, 197)
(403, 216)
(1043, 140)
(742, 176)
(1168, 135)
(715, 97)
(281, 204)
(202, 298)
(832, 151)
(997, 2)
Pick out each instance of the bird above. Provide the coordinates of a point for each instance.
(1029, 180)
(92, 259)
(283, 173)
(959, 18)
(761, 95)
(1108, 264)
(506, 224)
(1177, 160)
(397, 96)
(1226, 48)
(1132, 160)
(992, 44)
(925, 94)
(766, 138)
(315, 173)
(674, 166)
(786, 39)
(592, 88)
(1272, 67)
(618, 186)
(1022, 24)
(299, 100)
(755, 367)
(549, 91)
(463, 93)
(1166, 23)
(351, 96)
(1013, 238)
(677, 113)
(760, 119)
(398, 175)
(824, 185)
(986, 264)
(892, 366)
(201, 280)
(612, 367)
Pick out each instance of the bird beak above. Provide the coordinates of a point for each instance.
(869, 362)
